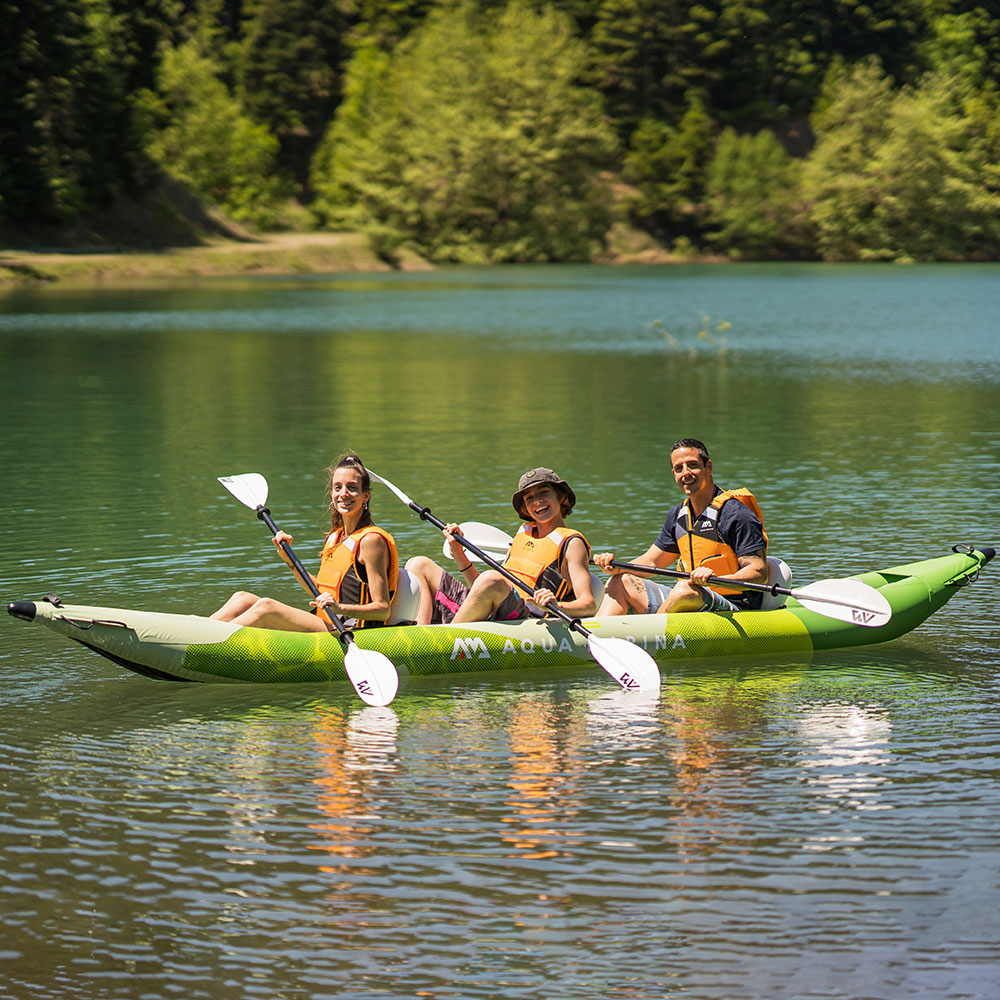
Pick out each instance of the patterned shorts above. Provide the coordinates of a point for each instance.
(452, 592)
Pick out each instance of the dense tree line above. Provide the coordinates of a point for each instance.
(480, 130)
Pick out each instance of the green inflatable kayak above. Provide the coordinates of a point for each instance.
(192, 648)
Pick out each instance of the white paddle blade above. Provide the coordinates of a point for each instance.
(492, 541)
(847, 601)
(250, 488)
(373, 675)
(631, 666)
(395, 489)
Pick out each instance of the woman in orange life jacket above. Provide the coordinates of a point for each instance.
(551, 559)
(713, 533)
(358, 570)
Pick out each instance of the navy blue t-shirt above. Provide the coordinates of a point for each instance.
(741, 531)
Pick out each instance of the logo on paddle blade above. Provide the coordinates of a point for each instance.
(466, 649)
(862, 617)
(629, 683)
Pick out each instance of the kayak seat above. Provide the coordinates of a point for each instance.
(598, 585)
(778, 572)
(406, 599)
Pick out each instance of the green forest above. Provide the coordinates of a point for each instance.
(473, 131)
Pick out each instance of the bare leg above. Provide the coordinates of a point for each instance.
(427, 573)
(623, 592)
(265, 612)
(240, 602)
(683, 597)
(487, 594)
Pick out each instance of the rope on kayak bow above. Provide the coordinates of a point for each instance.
(88, 623)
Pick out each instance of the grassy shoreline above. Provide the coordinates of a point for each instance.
(278, 253)
(282, 253)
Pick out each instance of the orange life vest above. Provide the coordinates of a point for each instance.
(536, 561)
(342, 575)
(700, 542)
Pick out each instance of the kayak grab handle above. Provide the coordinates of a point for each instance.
(27, 610)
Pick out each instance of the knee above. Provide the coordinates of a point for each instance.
(265, 606)
(419, 566)
(491, 582)
(683, 597)
(240, 603)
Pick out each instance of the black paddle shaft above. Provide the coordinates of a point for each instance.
(573, 623)
(680, 575)
(346, 635)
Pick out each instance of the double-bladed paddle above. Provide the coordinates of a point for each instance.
(373, 674)
(631, 666)
(846, 600)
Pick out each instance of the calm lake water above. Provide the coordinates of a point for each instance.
(788, 829)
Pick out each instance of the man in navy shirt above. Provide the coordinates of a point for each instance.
(714, 532)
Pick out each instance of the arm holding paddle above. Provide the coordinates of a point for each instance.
(373, 555)
(753, 568)
(281, 539)
(468, 571)
(694, 593)
(846, 600)
(321, 600)
(577, 568)
(631, 593)
(652, 557)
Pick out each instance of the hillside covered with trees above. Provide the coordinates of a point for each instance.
(478, 131)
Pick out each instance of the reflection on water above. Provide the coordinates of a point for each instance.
(540, 799)
(503, 823)
(845, 749)
(791, 828)
(348, 754)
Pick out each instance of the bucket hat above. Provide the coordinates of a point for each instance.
(532, 478)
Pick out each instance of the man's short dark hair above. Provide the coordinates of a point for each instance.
(699, 446)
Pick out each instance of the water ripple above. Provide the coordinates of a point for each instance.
(505, 825)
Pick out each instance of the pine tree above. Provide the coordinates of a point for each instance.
(290, 71)
(66, 134)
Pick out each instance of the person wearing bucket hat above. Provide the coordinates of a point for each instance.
(551, 558)
(534, 476)
(714, 532)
